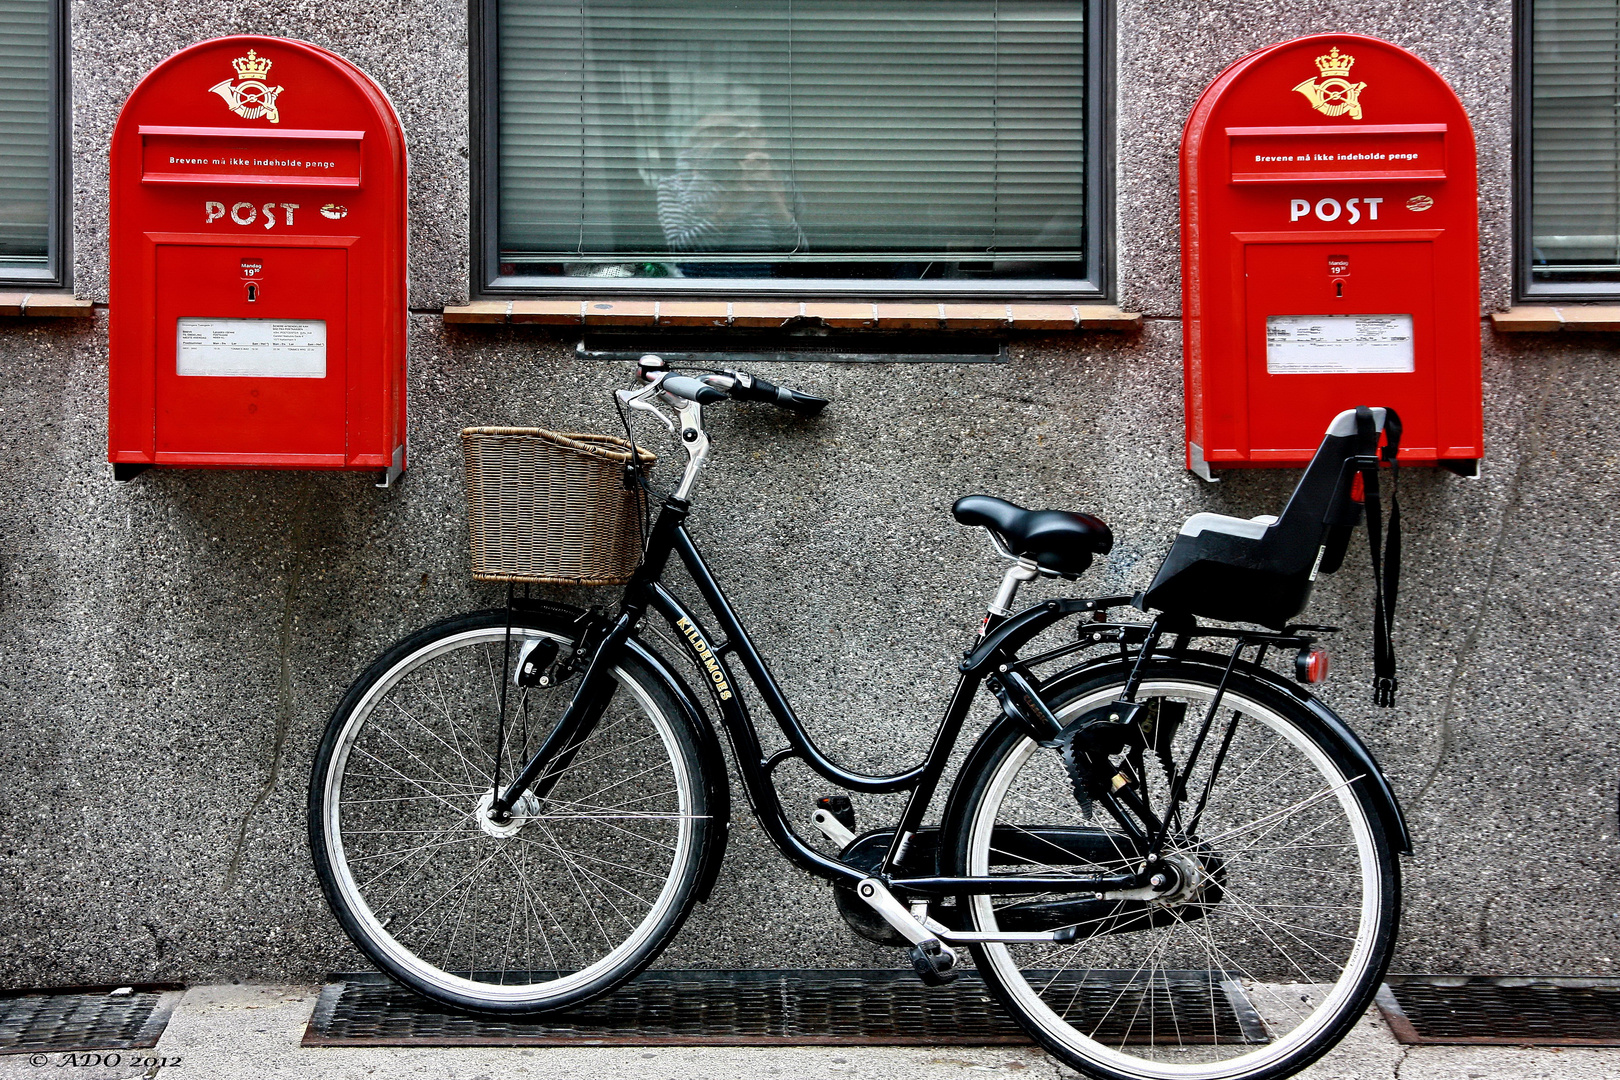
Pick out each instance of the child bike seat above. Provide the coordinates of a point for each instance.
(1060, 542)
(1260, 570)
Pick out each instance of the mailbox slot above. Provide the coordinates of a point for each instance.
(179, 155)
(1273, 155)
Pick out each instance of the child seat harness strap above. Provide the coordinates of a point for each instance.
(1386, 556)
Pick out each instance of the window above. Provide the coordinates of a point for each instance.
(30, 205)
(1570, 148)
(946, 147)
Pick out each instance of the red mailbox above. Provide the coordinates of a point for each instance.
(257, 264)
(1330, 255)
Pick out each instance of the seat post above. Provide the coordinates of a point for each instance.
(1021, 571)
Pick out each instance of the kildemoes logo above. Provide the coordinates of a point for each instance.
(710, 664)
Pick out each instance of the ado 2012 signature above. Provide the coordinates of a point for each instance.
(109, 1059)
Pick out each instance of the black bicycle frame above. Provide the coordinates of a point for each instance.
(646, 591)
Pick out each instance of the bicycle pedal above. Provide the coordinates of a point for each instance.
(934, 962)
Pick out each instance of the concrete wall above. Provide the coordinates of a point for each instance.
(170, 648)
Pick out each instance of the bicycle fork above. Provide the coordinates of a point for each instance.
(546, 767)
(590, 699)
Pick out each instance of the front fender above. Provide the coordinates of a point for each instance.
(717, 783)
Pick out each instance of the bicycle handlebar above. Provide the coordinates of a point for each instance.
(729, 383)
(684, 386)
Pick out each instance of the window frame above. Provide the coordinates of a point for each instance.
(57, 271)
(483, 219)
(1525, 287)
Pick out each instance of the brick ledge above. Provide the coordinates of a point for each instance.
(833, 314)
(58, 305)
(1541, 319)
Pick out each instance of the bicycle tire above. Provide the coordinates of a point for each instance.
(581, 891)
(1292, 890)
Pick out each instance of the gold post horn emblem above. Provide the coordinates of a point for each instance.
(250, 97)
(1335, 95)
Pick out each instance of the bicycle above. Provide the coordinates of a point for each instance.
(1165, 861)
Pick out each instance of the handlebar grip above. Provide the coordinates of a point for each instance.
(684, 386)
(799, 402)
(753, 388)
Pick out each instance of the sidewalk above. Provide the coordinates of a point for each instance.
(252, 1032)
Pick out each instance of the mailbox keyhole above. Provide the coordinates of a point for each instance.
(253, 291)
(1338, 290)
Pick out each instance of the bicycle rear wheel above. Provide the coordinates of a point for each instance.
(1280, 924)
(576, 894)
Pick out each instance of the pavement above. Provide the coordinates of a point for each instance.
(249, 1032)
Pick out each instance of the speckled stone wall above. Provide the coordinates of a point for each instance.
(170, 648)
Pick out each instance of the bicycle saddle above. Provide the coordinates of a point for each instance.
(1058, 540)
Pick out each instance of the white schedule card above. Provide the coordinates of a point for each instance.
(261, 348)
(1338, 344)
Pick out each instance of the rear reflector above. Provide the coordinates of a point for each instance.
(1311, 665)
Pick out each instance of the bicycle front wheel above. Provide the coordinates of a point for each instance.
(579, 891)
(1277, 925)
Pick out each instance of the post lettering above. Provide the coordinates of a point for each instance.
(289, 207)
(252, 213)
(1333, 209)
(214, 211)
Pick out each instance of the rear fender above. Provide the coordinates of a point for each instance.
(1333, 728)
(1383, 795)
(1389, 808)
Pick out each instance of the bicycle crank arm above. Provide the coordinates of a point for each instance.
(877, 896)
(934, 961)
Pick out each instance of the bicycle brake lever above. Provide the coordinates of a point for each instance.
(641, 401)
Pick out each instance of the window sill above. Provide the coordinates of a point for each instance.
(44, 305)
(767, 315)
(1541, 320)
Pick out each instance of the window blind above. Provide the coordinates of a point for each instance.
(1575, 137)
(795, 129)
(25, 132)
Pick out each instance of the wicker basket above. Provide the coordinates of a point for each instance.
(551, 507)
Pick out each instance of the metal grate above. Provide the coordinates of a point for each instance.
(86, 1017)
(1502, 1011)
(778, 1008)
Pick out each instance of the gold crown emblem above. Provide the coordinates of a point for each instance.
(1335, 65)
(254, 66)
